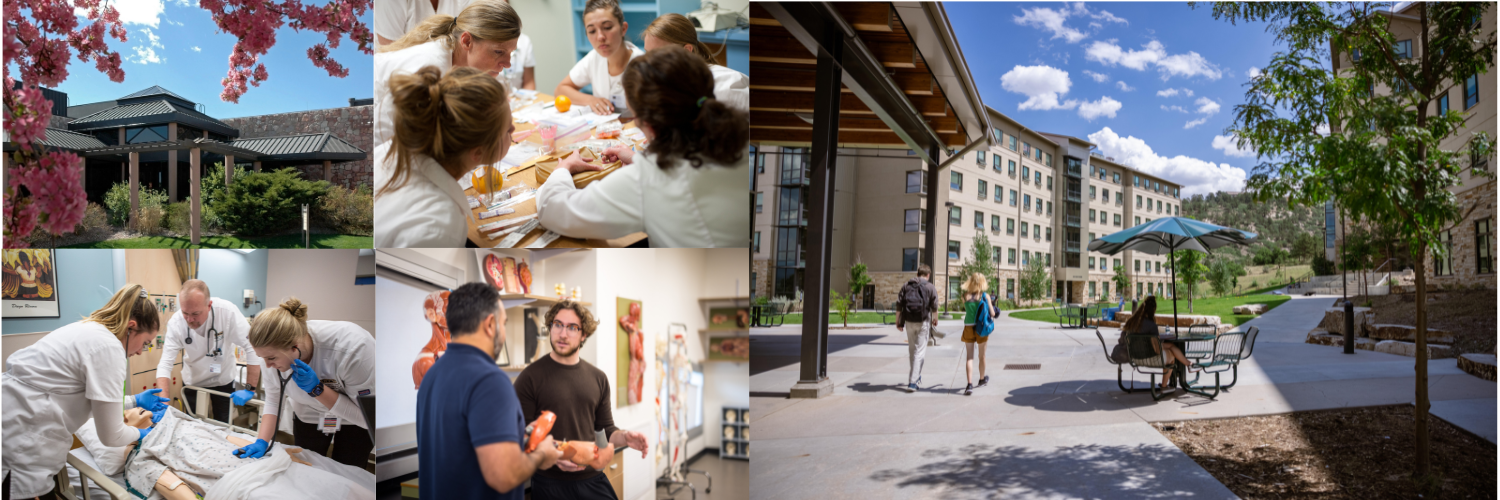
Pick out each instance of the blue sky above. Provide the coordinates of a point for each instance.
(175, 44)
(1153, 84)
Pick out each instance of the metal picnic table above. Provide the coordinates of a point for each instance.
(1181, 337)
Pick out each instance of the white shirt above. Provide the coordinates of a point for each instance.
(232, 330)
(429, 211)
(393, 18)
(407, 60)
(594, 69)
(731, 87)
(683, 207)
(343, 355)
(520, 59)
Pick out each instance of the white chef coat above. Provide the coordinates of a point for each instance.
(343, 355)
(731, 87)
(47, 392)
(394, 18)
(683, 207)
(429, 211)
(520, 59)
(407, 60)
(233, 330)
(594, 69)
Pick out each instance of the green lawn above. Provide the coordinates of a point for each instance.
(833, 319)
(285, 241)
(1221, 307)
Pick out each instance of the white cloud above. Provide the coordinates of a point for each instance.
(1196, 176)
(1207, 106)
(145, 53)
(1173, 107)
(1228, 144)
(1123, 86)
(1253, 73)
(1153, 53)
(1166, 93)
(1187, 92)
(1050, 20)
(147, 12)
(196, 49)
(1102, 107)
(1042, 85)
(1098, 77)
(1194, 123)
(1322, 129)
(1105, 15)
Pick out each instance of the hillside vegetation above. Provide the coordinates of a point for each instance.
(1276, 225)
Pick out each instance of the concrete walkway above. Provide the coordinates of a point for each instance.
(1064, 430)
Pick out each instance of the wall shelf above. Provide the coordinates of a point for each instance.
(512, 300)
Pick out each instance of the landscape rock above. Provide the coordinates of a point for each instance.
(1329, 339)
(1333, 319)
(1478, 365)
(1434, 351)
(1256, 309)
(1182, 319)
(1408, 333)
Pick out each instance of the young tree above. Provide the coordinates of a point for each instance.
(1035, 283)
(1122, 282)
(859, 277)
(1304, 246)
(43, 36)
(1321, 134)
(842, 304)
(1223, 274)
(1190, 271)
(981, 259)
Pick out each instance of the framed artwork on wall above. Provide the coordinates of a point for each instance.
(29, 285)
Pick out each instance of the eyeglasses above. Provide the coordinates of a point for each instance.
(573, 328)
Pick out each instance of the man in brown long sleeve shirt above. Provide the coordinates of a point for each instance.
(578, 393)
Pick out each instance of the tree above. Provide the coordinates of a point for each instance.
(43, 36)
(1035, 283)
(1223, 274)
(858, 279)
(981, 259)
(1122, 282)
(1304, 246)
(841, 304)
(1190, 271)
(1382, 156)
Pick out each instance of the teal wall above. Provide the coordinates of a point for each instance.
(229, 272)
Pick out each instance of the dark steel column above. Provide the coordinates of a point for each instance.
(931, 215)
(813, 381)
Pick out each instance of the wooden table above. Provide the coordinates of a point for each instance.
(527, 176)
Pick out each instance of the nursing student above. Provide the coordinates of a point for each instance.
(482, 36)
(730, 87)
(205, 331)
(321, 366)
(445, 126)
(51, 388)
(394, 18)
(686, 189)
(603, 67)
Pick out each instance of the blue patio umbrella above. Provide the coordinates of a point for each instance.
(1164, 236)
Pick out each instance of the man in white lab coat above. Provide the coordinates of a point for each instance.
(205, 330)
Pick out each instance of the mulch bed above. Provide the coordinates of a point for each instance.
(1469, 314)
(1360, 453)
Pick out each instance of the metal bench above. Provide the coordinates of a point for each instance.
(1066, 315)
(1228, 351)
(883, 312)
(1151, 365)
(1119, 367)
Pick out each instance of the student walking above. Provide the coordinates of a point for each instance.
(916, 305)
(977, 328)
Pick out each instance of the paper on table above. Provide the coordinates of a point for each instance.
(515, 234)
(633, 134)
(496, 213)
(484, 228)
(520, 152)
(545, 240)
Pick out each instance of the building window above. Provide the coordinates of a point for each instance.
(1478, 162)
(1117, 264)
(1049, 182)
(953, 284)
(1442, 256)
(1403, 49)
(916, 182)
(1137, 265)
(1012, 147)
(1026, 203)
(979, 158)
(1024, 227)
(956, 181)
(999, 194)
(1104, 286)
(1105, 195)
(1025, 173)
(910, 258)
(1137, 221)
(1010, 287)
(1010, 226)
(1356, 55)
(1049, 234)
(1158, 267)
(984, 187)
(1117, 178)
(995, 226)
(1443, 104)
(1025, 257)
(755, 242)
(978, 220)
(1177, 209)
(1093, 193)
(1092, 289)
(1010, 256)
(995, 254)
(1137, 201)
(1091, 262)
(1471, 91)
(1049, 159)
(1026, 150)
(1117, 220)
(1049, 208)
(137, 135)
(955, 216)
(1091, 215)
(1484, 240)
(759, 198)
(1038, 177)
(1049, 260)
(916, 220)
(1137, 180)
(1038, 154)
(1012, 166)
(1148, 220)
(952, 250)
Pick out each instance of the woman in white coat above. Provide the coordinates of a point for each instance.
(604, 66)
(445, 127)
(323, 366)
(687, 189)
(730, 87)
(482, 36)
(52, 387)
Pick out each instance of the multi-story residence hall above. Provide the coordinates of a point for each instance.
(1035, 195)
(1471, 243)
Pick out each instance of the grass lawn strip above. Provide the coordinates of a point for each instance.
(1222, 307)
(284, 241)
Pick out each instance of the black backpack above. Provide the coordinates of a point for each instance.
(913, 301)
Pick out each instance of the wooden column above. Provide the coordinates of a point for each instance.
(172, 164)
(135, 186)
(228, 169)
(124, 165)
(195, 208)
(328, 170)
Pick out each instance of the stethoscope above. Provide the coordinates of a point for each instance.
(281, 399)
(215, 337)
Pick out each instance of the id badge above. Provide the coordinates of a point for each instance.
(618, 100)
(215, 368)
(330, 424)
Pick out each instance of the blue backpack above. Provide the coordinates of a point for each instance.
(985, 325)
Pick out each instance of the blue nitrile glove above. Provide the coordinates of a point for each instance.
(157, 415)
(150, 401)
(144, 432)
(253, 450)
(241, 397)
(304, 376)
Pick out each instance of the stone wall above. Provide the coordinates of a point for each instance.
(760, 268)
(1465, 254)
(352, 124)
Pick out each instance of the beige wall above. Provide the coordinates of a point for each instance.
(324, 281)
(549, 25)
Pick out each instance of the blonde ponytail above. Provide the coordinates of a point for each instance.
(492, 20)
(128, 303)
(281, 327)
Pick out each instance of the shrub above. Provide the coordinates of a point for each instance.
(212, 190)
(266, 202)
(347, 211)
(1321, 266)
(94, 219)
(178, 218)
(149, 220)
(117, 202)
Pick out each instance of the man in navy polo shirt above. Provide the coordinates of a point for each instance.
(470, 432)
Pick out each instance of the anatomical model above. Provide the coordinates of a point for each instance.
(525, 276)
(582, 453)
(434, 307)
(632, 324)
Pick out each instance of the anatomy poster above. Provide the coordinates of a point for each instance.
(29, 284)
(630, 364)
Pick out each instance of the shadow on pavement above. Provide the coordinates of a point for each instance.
(769, 352)
(1083, 396)
(1082, 471)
